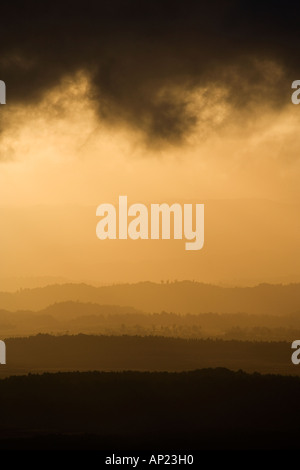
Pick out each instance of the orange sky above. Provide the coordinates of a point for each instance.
(59, 162)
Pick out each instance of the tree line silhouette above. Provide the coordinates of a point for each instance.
(89, 318)
(153, 353)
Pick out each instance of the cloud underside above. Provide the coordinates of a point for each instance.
(146, 60)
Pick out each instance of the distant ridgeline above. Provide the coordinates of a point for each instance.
(2, 92)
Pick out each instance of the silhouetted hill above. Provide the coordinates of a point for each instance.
(153, 353)
(203, 409)
(178, 297)
(60, 317)
(78, 317)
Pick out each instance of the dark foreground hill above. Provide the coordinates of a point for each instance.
(204, 409)
(44, 353)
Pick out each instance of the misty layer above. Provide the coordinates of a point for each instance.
(145, 60)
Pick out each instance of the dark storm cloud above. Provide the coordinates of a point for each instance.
(137, 52)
